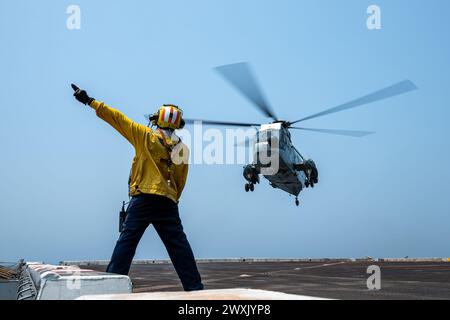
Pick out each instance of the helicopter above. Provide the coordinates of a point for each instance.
(292, 172)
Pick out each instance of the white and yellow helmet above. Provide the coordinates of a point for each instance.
(169, 116)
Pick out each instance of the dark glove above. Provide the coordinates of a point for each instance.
(81, 95)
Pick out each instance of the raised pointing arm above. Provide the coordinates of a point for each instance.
(132, 131)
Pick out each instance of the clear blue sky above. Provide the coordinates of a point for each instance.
(64, 172)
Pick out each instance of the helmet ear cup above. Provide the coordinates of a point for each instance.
(182, 123)
(154, 118)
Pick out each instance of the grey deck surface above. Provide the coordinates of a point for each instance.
(338, 280)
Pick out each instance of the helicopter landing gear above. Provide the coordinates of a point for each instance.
(309, 183)
(297, 203)
(249, 187)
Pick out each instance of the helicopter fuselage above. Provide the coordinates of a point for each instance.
(276, 158)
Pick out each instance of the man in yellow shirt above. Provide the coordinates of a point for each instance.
(158, 176)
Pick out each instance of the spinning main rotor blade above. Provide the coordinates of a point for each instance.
(350, 133)
(394, 90)
(240, 76)
(222, 123)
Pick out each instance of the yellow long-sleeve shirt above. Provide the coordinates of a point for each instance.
(154, 170)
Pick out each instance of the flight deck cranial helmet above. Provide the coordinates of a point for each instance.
(169, 116)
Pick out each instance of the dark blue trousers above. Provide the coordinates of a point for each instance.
(163, 213)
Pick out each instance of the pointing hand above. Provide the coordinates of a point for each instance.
(81, 95)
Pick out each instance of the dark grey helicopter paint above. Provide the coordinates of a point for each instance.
(275, 140)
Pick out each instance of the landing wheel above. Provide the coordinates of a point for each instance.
(247, 188)
(252, 187)
(297, 203)
(307, 183)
